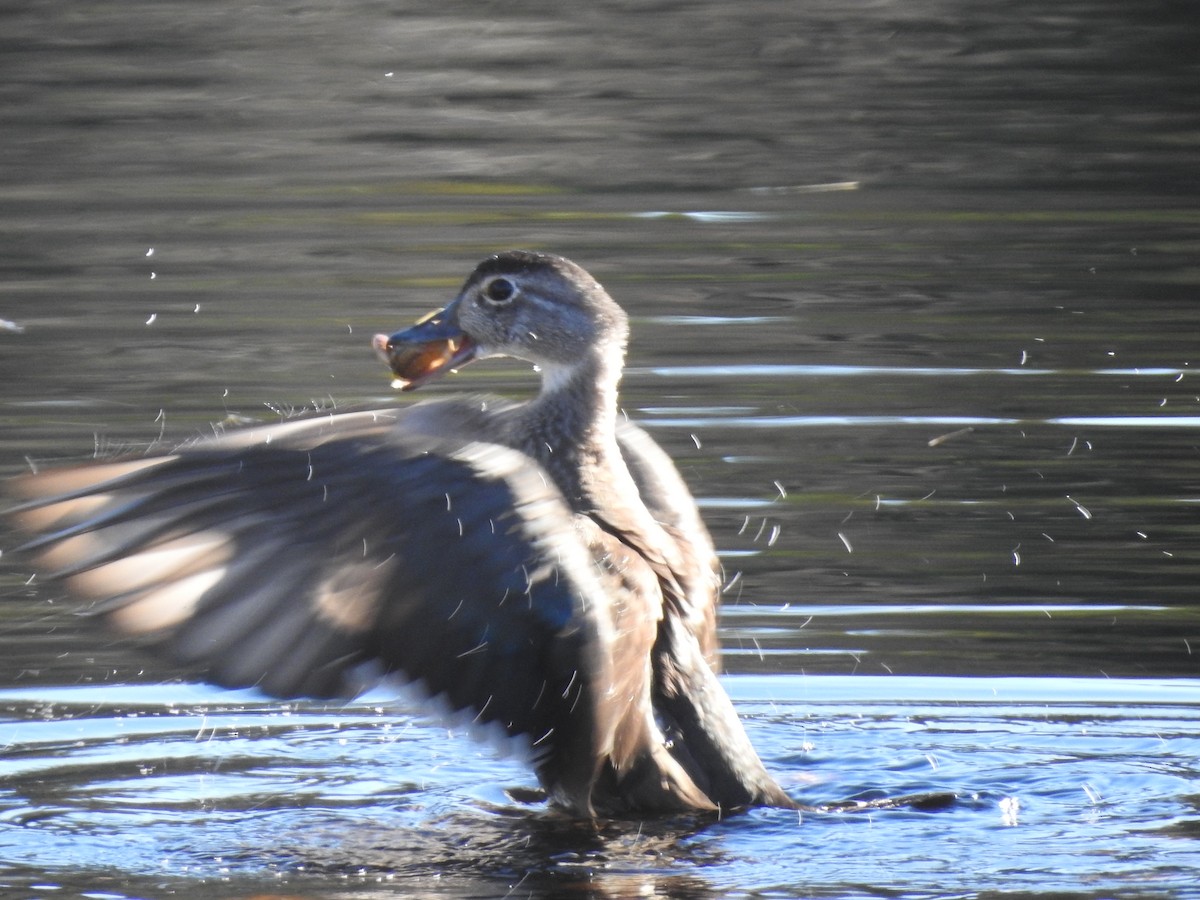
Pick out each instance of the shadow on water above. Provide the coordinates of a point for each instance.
(534, 855)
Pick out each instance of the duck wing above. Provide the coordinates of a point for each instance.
(290, 557)
(695, 566)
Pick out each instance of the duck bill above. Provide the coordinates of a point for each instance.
(426, 351)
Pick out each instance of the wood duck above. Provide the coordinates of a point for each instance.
(539, 567)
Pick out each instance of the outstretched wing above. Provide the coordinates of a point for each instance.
(288, 560)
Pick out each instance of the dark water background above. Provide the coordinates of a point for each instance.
(915, 289)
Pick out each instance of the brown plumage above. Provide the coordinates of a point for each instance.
(540, 566)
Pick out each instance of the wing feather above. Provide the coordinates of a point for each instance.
(289, 560)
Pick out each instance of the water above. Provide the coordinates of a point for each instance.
(913, 289)
(1067, 785)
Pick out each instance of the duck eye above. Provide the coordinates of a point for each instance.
(499, 292)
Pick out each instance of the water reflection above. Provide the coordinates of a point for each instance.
(764, 370)
(215, 786)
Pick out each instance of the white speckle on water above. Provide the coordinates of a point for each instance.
(1083, 510)
(1009, 808)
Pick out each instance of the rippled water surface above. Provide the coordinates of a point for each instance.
(914, 290)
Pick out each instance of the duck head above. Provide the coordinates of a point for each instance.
(532, 306)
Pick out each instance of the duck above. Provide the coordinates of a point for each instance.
(539, 569)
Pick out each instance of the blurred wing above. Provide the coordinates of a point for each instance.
(288, 564)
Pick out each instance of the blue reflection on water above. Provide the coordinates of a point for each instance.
(187, 781)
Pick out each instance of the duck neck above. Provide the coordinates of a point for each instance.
(570, 428)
